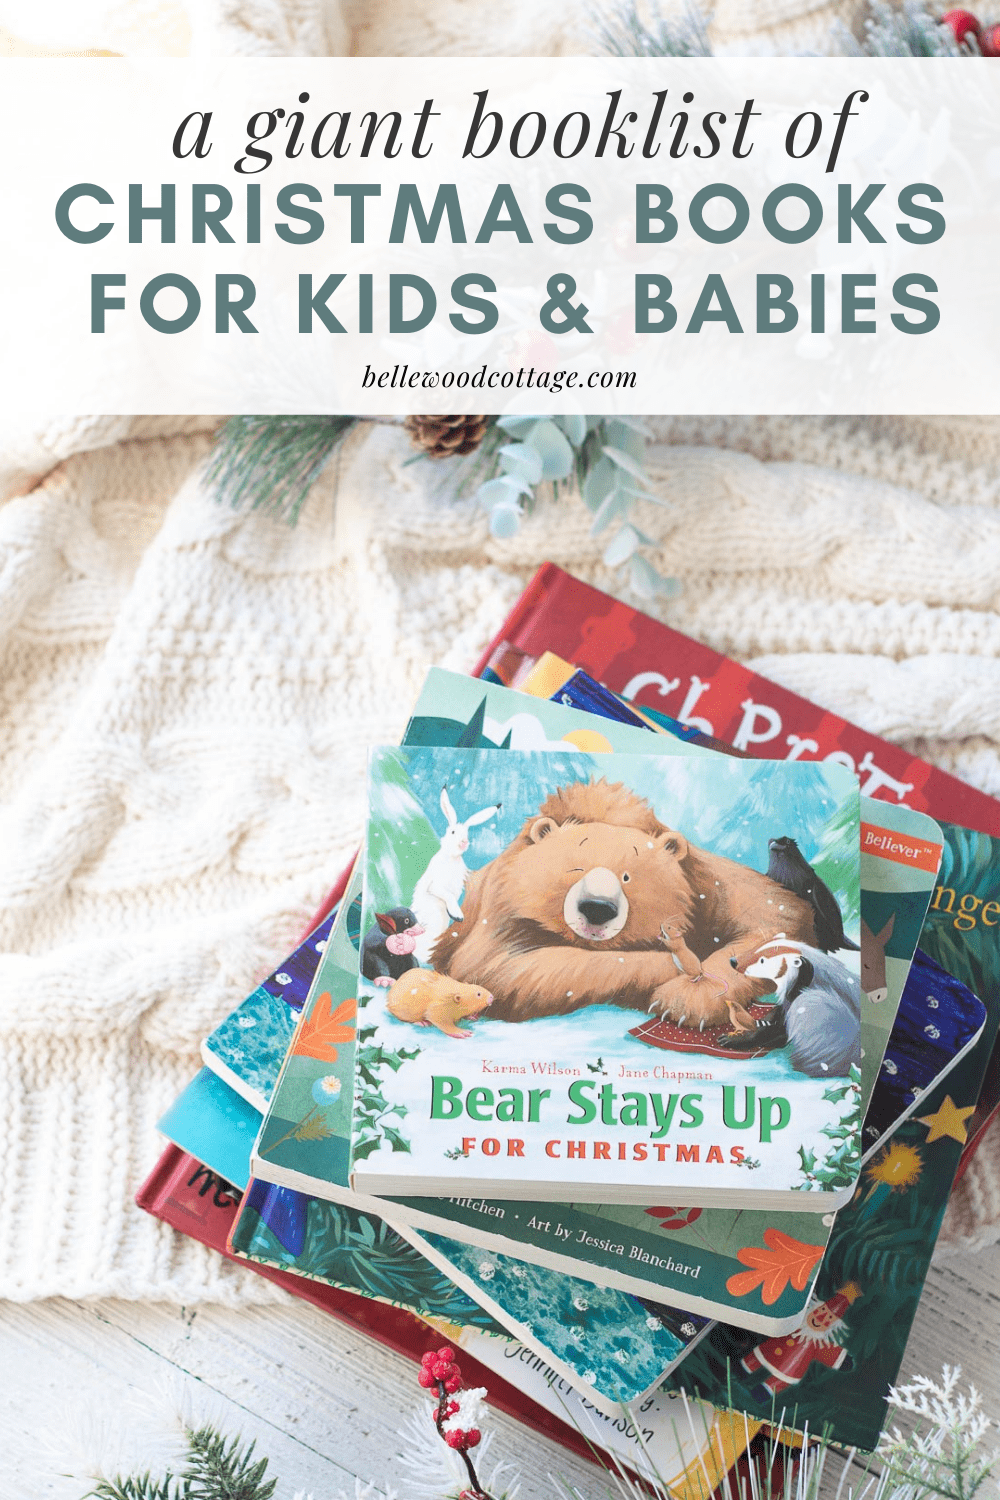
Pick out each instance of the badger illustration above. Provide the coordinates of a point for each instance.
(816, 1010)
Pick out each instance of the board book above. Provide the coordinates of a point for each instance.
(655, 667)
(836, 1372)
(612, 1348)
(602, 886)
(270, 1013)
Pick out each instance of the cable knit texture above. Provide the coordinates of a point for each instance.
(187, 694)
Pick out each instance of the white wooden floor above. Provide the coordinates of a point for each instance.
(323, 1402)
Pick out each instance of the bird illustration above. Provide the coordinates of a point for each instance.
(741, 1018)
(788, 867)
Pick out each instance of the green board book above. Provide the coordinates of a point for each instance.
(835, 1372)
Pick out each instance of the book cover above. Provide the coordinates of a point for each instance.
(648, 663)
(836, 1370)
(612, 1348)
(685, 1257)
(214, 1123)
(270, 1012)
(938, 1022)
(602, 886)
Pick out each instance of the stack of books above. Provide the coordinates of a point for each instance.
(636, 1056)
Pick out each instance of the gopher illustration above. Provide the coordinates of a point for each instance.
(570, 913)
(430, 999)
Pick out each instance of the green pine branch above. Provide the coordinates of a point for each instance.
(220, 1468)
(624, 33)
(270, 463)
(215, 1468)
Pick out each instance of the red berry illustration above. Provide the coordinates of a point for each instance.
(675, 1218)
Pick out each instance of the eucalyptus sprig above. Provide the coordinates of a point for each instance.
(270, 464)
(603, 457)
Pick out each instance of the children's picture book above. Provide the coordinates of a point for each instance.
(938, 1022)
(270, 1012)
(836, 1369)
(630, 1346)
(603, 886)
(214, 1123)
(689, 1258)
(613, 1348)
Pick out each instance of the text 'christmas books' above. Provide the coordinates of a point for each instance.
(604, 889)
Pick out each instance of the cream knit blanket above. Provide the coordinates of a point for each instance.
(186, 695)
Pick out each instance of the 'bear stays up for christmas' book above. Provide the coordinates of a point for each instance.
(603, 888)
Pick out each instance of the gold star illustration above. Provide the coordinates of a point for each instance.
(949, 1121)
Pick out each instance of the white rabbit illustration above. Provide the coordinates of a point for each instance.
(439, 890)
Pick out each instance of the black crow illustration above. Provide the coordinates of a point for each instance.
(789, 868)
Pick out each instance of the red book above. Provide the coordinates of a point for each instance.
(652, 665)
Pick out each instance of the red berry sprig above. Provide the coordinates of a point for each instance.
(440, 1371)
(962, 23)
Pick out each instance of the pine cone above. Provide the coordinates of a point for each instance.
(446, 437)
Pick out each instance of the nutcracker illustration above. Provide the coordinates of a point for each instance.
(788, 1360)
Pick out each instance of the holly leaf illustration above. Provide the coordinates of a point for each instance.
(324, 1027)
(396, 1141)
(363, 1148)
(783, 1260)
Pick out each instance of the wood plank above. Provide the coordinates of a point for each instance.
(323, 1401)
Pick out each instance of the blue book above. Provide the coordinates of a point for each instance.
(246, 1050)
(215, 1124)
(939, 1020)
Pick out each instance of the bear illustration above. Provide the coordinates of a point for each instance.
(430, 999)
(570, 914)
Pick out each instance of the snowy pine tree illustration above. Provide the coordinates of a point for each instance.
(836, 860)
(765, 810)
(401, 840)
